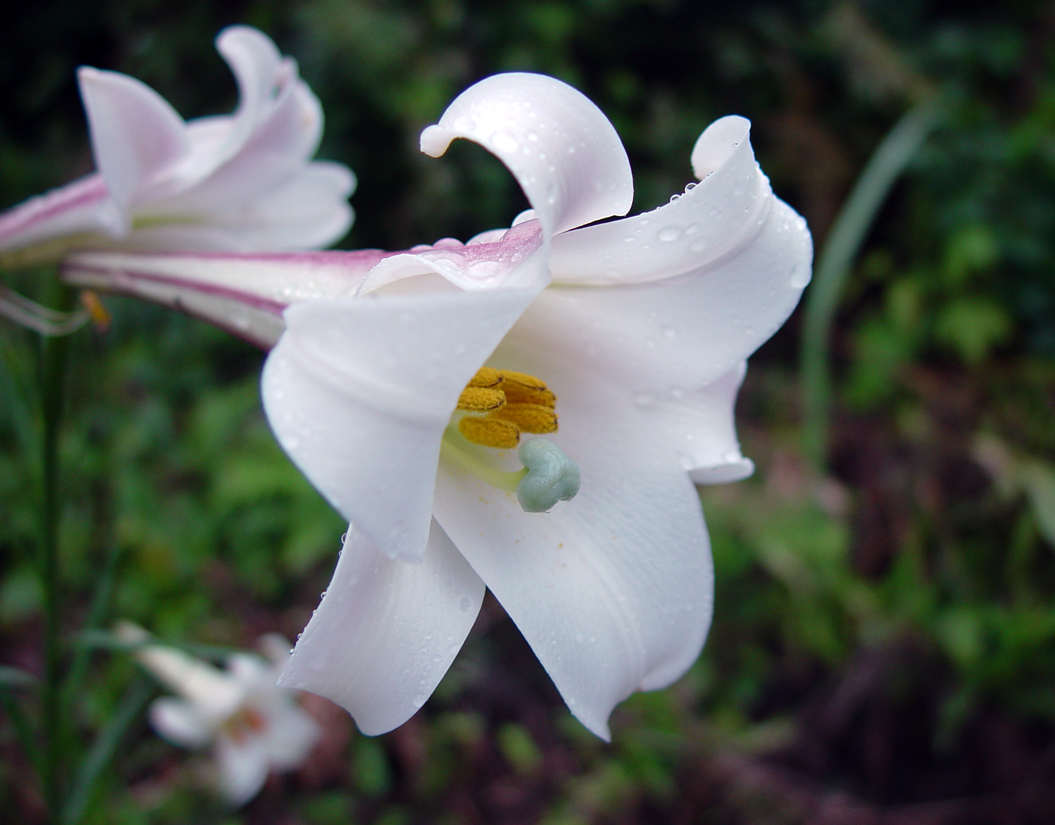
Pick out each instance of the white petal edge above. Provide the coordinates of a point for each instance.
(386, 631)
(136, 134)
(560, 147)
(358, 392)
(706, 224)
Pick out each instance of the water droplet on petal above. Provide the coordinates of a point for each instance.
(668, 331)
(644, 398)
(669, 233)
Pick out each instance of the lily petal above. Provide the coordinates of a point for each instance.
(562, 150)
(180, 722)
(136, 134)
(701, 428)
(259, 71)
(289, 737)
(386, 631)
(243, 768)
(684, 331)
(613, 590)
(80, 207)
(359, 390)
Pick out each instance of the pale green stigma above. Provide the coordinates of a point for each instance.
(548, 476)
(551, 476)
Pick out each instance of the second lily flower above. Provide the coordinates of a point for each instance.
(623, 343)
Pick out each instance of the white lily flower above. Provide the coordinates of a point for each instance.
(640, 327)
(244, 181)
(253, 725)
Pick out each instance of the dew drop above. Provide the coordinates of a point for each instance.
(669, 233)
(465, 604)
(668, 331)
(677, 392)
(629, 238)
(692, 228)
(644, 398)
(698, 245)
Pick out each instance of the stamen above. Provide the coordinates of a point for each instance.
(512, 403)
(456, 449)
(481, 399)
(490, 432)
(548, 475)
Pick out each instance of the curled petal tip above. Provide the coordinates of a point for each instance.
(435, 140)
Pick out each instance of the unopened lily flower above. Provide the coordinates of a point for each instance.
(253, 725)
(243, 181)
(528, 412)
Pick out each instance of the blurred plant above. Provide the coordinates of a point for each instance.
(253, 726)
(243, 181)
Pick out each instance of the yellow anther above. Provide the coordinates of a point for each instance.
(98, 313)
(512, 402)
(481, 399)
(530, 418)
(490, 432)
(519, 394)
(486, 377)
(521, 379)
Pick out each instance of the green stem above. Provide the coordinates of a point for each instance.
(52, 376)
(848, 232)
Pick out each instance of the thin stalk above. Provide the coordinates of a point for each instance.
(848, 233)
(54, 353)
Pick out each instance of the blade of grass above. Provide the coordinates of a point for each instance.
(96, 616)
(848, 233)
(26, 734)
(103, 750)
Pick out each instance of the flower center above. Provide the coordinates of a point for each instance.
(496, 407)
(243, 723)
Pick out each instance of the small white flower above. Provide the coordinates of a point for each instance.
(253, 725)
(387, 366)
(243, 181)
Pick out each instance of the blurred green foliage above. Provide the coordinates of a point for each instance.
(884, 630)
